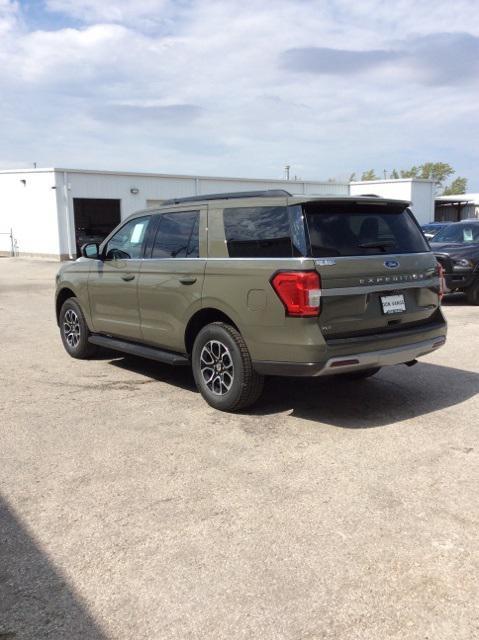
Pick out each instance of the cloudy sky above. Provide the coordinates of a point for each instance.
(240, 87)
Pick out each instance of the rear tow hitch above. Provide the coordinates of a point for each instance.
(411, 363)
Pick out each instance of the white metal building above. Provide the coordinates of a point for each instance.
(49, 210)
(420, 193)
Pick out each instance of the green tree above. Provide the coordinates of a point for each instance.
(369, 175)
(352, 177)
(410, 173)
(440, 172)
(437, 171)
(459, 185)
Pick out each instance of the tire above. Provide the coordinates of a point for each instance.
(361, 374)
(472, 293)
(74, 331)
(230, 383)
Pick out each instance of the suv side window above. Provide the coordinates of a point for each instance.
(127, 243)
(258, 232)
(177, 235)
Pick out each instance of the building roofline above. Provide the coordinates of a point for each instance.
(472, 198)
(394, 180)
(28, 170)
(139, 174)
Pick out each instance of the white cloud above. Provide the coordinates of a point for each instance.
(201, 86)
(92, 11)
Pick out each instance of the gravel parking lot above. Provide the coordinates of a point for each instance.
(129, 509)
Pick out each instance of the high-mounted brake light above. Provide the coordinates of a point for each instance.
(299, 291)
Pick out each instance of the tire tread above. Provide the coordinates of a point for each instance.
(253, 382)
(87, 350)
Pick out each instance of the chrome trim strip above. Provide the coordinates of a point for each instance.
(295, 258)
(387, 286)
(226, 258)
(170, 259)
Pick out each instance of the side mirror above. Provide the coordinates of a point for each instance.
(91, 250)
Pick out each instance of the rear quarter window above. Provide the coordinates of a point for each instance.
(258, 232)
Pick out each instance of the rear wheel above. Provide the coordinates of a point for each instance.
(361, 374)
(472, 293)
(223, 370)
(74, 330)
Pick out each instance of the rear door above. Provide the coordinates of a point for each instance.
(172, 276)
(377, 271)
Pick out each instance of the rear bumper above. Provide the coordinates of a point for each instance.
(354, 361)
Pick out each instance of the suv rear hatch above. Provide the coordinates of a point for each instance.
(378, 274)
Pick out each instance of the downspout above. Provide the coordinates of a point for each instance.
(67, 214)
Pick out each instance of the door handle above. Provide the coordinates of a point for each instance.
(188, 280)
(127, 277)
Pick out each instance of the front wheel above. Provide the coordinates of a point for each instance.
(223, 370)
(74, 330)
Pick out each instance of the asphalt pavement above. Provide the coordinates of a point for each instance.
(130, 510)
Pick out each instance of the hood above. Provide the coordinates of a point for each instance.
(457, 249)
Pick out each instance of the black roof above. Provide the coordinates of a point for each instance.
(267, 193)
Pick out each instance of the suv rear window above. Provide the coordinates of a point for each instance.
(258, 232)
(356, 229)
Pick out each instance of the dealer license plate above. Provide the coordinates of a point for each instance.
(393, 304)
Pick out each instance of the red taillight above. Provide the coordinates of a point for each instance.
(442, 281)
(299, 291)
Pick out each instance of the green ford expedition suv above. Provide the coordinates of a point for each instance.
(244, 285)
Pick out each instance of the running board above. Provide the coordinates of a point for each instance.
(141, 350)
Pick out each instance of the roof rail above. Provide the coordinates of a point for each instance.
(369, 195)
(267, 193)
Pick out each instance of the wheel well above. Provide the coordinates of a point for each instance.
(200, 320)
(63, 295)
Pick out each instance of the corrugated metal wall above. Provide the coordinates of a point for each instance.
(158, 187)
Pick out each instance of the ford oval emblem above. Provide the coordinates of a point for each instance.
(391, 264)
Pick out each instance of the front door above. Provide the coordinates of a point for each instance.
(171, 278)
(113, 282)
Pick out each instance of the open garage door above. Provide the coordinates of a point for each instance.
(94, 219)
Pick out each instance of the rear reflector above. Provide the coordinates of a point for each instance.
(343, 363)
(299, 291)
